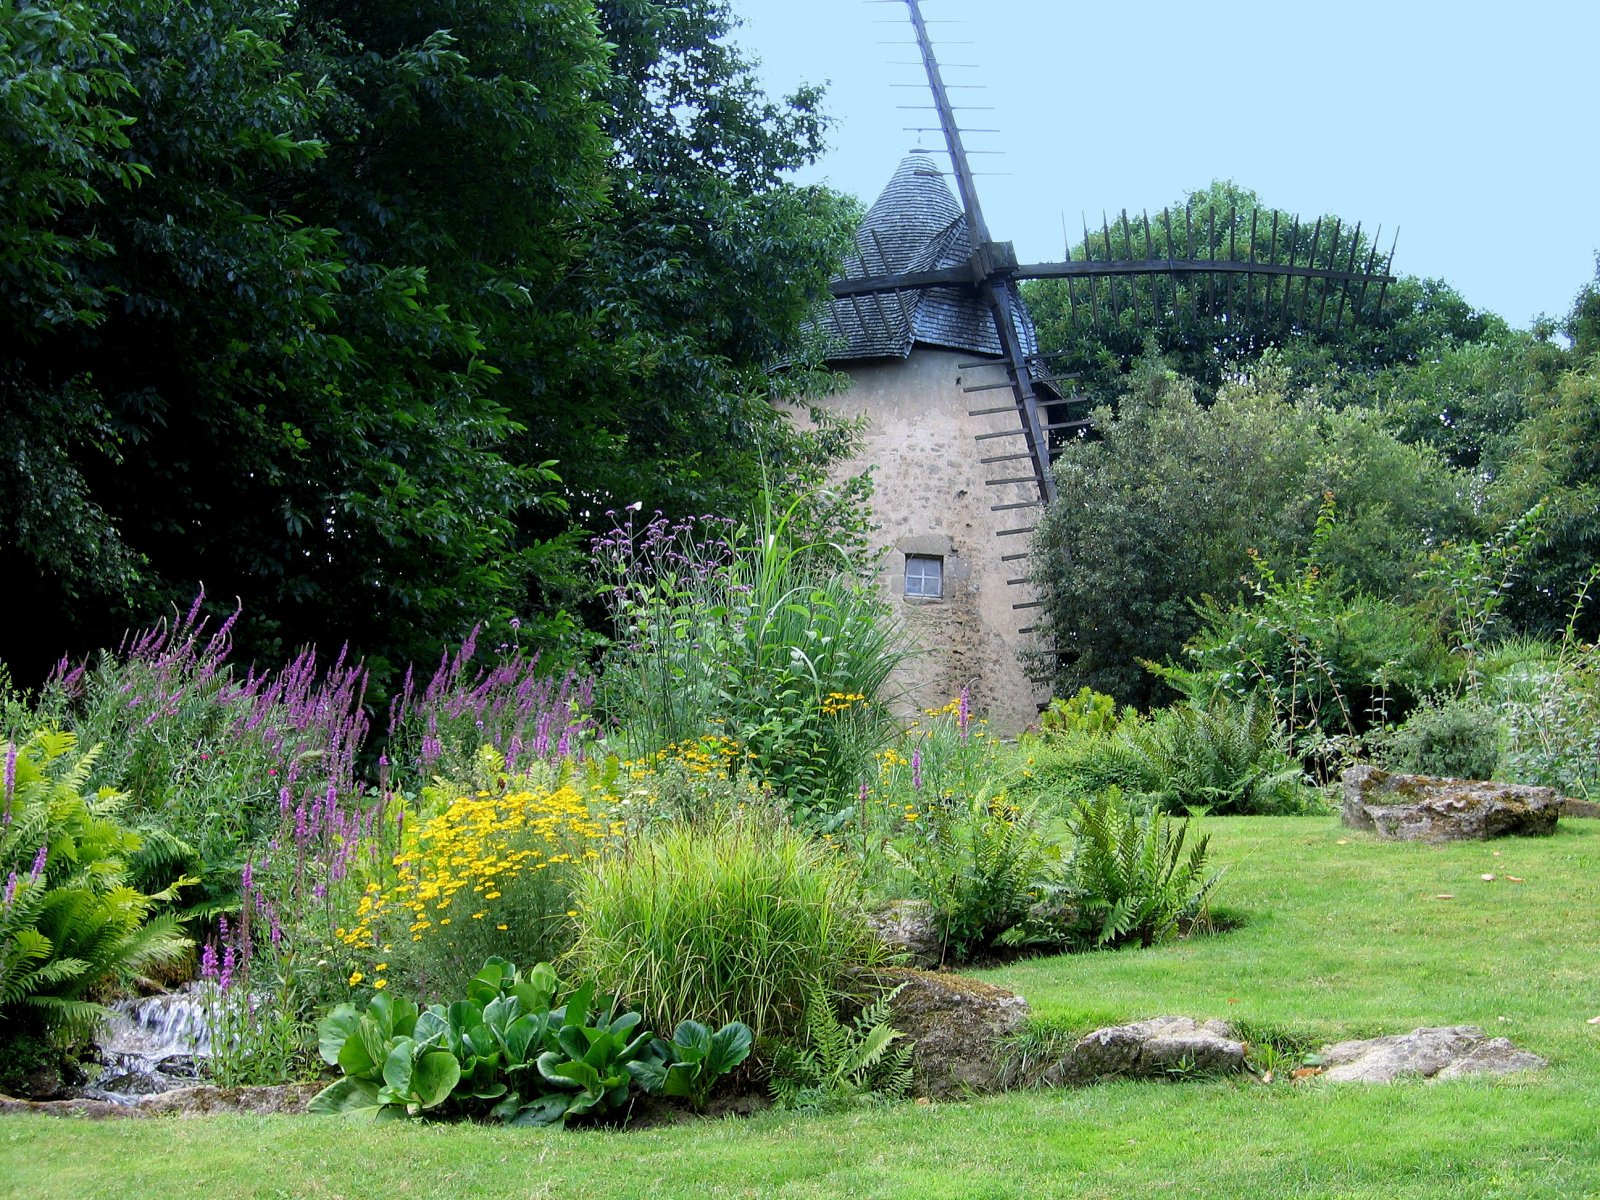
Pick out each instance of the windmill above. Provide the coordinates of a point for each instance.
(928, 280)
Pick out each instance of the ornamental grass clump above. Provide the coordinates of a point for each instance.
(491, 873)
(720, 923)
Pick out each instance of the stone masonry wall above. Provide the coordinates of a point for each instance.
(931, 498)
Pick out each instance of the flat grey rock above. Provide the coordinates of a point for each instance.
(1444, 1052)
(1426, 808)
(1161, 1047)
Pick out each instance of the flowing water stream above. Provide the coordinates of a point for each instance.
(152, 1045)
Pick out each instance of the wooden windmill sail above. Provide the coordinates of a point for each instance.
(916, 277)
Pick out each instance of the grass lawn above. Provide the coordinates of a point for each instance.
(1340, 940)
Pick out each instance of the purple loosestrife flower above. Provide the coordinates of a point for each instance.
(964, 711)
(916, 769)
(247, 879)
(11, 775)
(39, 860)
(11, 889)
(208, 961)
(225, 976)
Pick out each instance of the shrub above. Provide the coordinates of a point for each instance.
(1335, 662)
(69, 922)
(1552, 736)
(1129, 874)
(720, 923)
(1454, 738)
(1226, 756)
(1088, 712)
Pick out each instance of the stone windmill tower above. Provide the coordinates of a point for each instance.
(963, 416)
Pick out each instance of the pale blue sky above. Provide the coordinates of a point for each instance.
(1474, 127)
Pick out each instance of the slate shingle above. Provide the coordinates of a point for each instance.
(916, 224)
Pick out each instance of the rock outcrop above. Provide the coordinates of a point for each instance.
(1447, 1052)
(1409, 808)
(1159, 1048)
(959, 1025)
(910, 930)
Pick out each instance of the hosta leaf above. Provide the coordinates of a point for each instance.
(434, 1076)
(334, 1030)
(348, 1097)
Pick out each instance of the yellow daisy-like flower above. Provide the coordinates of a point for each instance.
(381, 967)
(356, 977)
(380, 984)
(502, 927)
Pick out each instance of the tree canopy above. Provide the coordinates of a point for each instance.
(361, 313)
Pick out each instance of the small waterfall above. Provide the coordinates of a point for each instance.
(152, 1045)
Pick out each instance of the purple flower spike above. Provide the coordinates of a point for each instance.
(39, 860)
(11, 774)
(916, 769)
(11, 889)
(208, 961)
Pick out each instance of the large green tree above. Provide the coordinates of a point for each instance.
(1168, 503)
(1212, 329)
(361, 312)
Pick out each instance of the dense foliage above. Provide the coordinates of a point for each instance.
(256, 346)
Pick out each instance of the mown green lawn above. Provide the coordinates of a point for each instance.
(1340, 940)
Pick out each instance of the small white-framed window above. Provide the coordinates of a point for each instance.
(925, 576)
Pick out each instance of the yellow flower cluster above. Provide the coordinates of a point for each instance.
(710, 754)
(474, 849)
(841, 702)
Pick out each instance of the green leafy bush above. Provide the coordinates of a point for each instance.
(1335, 663)
(722, 922)
(1458, 739)
(70, 923)
(1088, 712)
(1225, 755)
(772, 641)
(836, 1065)
(1130, 876)
(983, 864)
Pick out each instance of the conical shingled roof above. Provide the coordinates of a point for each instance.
(916, 224)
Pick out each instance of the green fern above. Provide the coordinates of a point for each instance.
(838, 1065)
(70, 922)
(983, 866)
(1132, 876)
